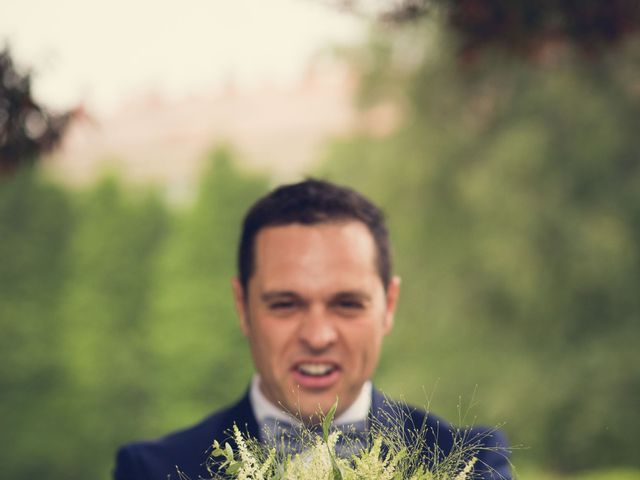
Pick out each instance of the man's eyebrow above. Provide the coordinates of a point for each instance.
(277, 294)
(360, 294)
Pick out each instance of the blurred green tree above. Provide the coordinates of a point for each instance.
(105, 344)
(116, 316)
(515, 205)
(36, 226)
(200, 360)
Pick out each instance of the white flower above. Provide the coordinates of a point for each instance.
(314, 463)
(466, 470)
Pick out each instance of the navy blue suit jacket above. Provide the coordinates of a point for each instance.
(188, 449)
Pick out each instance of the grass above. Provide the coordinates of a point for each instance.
(533, 473)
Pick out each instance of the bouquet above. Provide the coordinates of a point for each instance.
(388, 454)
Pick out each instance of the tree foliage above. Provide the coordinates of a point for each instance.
(525, 28)
(27, 128)
(514, 204)
(116, 317)
(36, 225)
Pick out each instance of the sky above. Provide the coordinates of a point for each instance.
(99, 53)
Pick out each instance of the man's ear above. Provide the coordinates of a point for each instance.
(392, 294)
(241, 305)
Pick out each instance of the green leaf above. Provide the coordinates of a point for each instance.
(228, 450)
(326, 421)
(326, 424)
(233, 468)
(337, 474)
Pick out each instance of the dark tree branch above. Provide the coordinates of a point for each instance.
(27, 129)
(521, 27)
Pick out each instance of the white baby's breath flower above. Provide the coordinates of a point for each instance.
(314, 463)
(466, 470)
(370, 464)
(249, 468)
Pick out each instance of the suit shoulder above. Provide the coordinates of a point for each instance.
(438, 437)
(189, 435)
(186, 449)
(488, 445)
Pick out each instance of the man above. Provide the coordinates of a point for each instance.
(315, 297)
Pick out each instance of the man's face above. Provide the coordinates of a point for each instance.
(315, 314)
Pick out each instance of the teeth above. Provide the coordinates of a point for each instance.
(316, 369)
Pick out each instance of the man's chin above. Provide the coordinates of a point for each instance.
(312, 408)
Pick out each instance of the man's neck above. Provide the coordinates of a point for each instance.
(263, 407)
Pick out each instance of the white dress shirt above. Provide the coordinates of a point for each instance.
(263, 407)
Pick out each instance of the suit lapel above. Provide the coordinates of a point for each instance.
(384, 412)
(242, 415)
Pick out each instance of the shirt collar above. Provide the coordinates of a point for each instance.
(263, 408)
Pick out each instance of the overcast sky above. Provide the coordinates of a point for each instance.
(102, 51)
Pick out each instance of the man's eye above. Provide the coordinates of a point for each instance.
(350, 305)
(282, 305)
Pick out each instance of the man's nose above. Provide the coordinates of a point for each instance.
(317, 331)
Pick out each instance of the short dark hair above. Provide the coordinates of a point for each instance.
(308, 203)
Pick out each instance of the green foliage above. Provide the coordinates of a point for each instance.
(609, 474)
(105, 346)
(116, 317)
(514, 207)
(192, 319)
(36, 221)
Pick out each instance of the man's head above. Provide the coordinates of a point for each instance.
(312, 202)
(315, 293)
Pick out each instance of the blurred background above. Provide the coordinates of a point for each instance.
(501, 138)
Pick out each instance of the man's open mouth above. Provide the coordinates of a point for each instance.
(316, 369)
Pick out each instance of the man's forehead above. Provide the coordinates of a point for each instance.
(345, 238)
(340, 253)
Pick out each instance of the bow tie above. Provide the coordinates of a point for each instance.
(289, 438)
